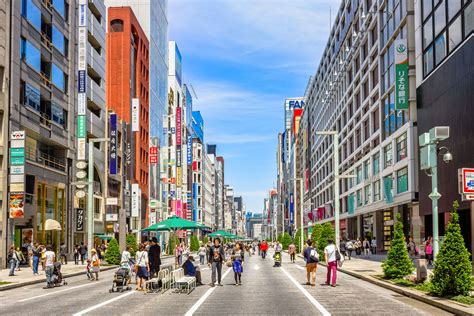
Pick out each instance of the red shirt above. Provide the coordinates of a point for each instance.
(264, 246)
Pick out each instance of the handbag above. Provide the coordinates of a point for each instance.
(229, 263)
(135, 267)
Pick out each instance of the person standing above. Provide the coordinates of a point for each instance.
(373, 246)
(215, 260)
(311, 257)
(95, 261)
(76, 255)
(202, 253)
(143, 267)
(36, 257)
(83, 252)
(331, 262)
(343, 248)
(178, 253)
(358, 247)
(429, 250)
(50, 258)
(63, 253)
(366, 245)
(12, 260)
(21, 258)
(349, 248)
(263, 249)
(411, 246)
(154, 254)
(292, 252)
(237, 263)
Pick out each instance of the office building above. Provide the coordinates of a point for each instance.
(209, 191)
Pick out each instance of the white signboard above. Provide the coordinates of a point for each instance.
(17, 169)
(111, 201)
(17, 135)
(81, 149)
(111, 217)
(81, 104)
(135, 200)
(135, 115)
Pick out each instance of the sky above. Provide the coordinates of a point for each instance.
(243, 58)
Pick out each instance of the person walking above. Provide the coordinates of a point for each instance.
(50, 259)
(12, 260)
(311, 257)
(292, 252)
(429, 250)
(63, 253)
(154, 254)
(263, 249)
(21, 258)
(178, 254)
(343, 248)
(237, 263)
(411, 247)
(373, 246)
(143, 265)
(202, 251)
(331, 262)
(83, 252)
(95, 261)
(349, 248)
(215, 260)
(76, 255)
(366, 246)
(358, 247)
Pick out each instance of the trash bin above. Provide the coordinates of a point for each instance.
(421, 270)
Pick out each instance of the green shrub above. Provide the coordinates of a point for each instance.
(452, 272)
(285, 240)
(194, 243)
(398, 263)
(112, 254)
(327, 232)
(172, 242)
(316, 234)
(131, 241)
(468, 300)
(205, 240)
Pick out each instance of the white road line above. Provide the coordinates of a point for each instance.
(306, 293)
(55, 292)
(203, 298)
(299, 267)
(103, 304)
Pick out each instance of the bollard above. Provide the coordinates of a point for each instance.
(421, 270)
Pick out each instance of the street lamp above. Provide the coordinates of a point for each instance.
(429, 162)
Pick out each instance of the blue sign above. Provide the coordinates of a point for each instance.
(195, 212)
(296, 104)
(189, 150)
(198, 125)
(165, 130)
(81, 81)
(292, 209)
(173, 130)
(113, 144)
(177, 65)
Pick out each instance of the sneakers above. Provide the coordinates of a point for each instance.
(220, 284)
(212, 284)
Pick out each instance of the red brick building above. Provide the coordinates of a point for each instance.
(128, 78)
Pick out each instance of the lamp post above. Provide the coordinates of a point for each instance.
(429, 161)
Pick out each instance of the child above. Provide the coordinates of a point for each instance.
(89, 269)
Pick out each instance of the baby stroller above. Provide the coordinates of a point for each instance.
(57, 279)
(121, 279)
(277, 258)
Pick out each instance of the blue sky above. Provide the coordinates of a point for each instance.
(243, 58)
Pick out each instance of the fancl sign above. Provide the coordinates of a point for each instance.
(295, 104)
(290, 105)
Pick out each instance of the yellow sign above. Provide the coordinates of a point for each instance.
(179, 177)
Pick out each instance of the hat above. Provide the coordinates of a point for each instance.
(93, 250)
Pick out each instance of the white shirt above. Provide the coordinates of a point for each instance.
(125, 257)
(142, 258)
(330, 251)
(49, 256)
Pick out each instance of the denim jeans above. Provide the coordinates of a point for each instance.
(49, 274)
(12, 266)
(35, 264)
(201, 259)
(216, 269)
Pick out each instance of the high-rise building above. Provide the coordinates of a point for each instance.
(209, 190)
(128, 96)
(220, 220)
(228, 207)
(197, 165)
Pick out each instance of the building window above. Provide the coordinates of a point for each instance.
(377, 190)
(366, 169)
(359, 197)
(59, 41)
(116, 26)
(359, 174)
(58, 114)
(387, 156)
(30, 54)
(402, 147)
(366, 194)
(393, 119)
(62, 7)
(376, 164)
(375, 120)
(58, 78)
(402, 180)
(32, 13)
(469, 19)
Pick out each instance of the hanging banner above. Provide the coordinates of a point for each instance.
(292, 209)
(79, 219)
(401, 74)
(179, 177)
(113, 144)
(135, 115)
(189, 150)
(135, 200)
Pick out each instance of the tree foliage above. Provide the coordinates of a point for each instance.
(298, 237)
(205, 240)
(326, 232)
(194, 243)
(112, 254)
(452, 272)
(315, 235)
(131, 241)
(172, 242)
(398, 264)
(286, 240)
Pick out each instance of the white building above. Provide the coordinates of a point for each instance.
(209, 209)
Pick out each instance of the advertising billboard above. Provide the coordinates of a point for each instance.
(290, 105)
(198, 125)
(113, 144)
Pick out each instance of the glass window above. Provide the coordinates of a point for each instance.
(401, 147)
(469, 19)
(58, 114)
(440, 18)
(58, 40)
(427, 7)
(366, 169)
(376, 164)
(32, 97)
(440, 48)
(30, 54)
(359, 197)
(455, 34)
(428, 60)
(402, 180)
(428, 32)
(453, 8)
(359, 174)
(377, 190)
(387, 155)
(32, 13)
(366, 194)
(58, 77)
(61, 7)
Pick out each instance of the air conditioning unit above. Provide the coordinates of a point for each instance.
(439, 132)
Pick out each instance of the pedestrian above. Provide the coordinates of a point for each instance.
(36, 252)
(366, 246)
(429, 250)
(215, 260)
(21, 258)
(373, 245)
(237, 263)
(202, 253)
(154, 254)
(343, 248)
(63, 253)
(76, 254)
(263, 249)
(12, 258)
(292, 252)
(43, 258)
(349, 248)
(125, 258)
(50, 258)
(331, 262)
(178, 253)
(89, 269)
(191, 270)
(411, 247)
(83, 252)
(358, 247)
(278, 247)
(143, 267)
(258, 247)
(95, 261)
(311, 257)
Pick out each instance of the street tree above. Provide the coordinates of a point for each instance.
(194, 243)
(327, 232)
(112, 254)
(131, 241)
(285, 240)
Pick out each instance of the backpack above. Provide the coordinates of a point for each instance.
(314, 255)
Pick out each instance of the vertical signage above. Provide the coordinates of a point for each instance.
(292, 209)
(135, 200)
(135, 115)
(79, 219)
(189, 150)
(16, 198)
(153, 155)
(178, 126)
(82, 80)
(179, 177)
(401, 75)
(113, 144)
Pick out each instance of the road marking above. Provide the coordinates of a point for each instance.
(103, 304)
(55, 292)
(299, 267)
(256, 267)
(306, 293)
(203, 298)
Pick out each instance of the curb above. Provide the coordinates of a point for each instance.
(440, 303)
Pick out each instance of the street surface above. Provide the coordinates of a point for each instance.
(265, 291)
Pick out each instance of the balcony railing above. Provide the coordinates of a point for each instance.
(45, 159)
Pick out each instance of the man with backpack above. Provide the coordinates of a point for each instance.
(36, 250)
(311, 257)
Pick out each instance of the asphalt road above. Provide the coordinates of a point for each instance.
(265, 291)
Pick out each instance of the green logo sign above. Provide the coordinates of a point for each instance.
(81, 126)
(401, 48)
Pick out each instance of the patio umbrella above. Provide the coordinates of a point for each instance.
(220, 233)
(172, 224)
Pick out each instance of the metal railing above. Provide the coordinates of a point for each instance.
(45, 159)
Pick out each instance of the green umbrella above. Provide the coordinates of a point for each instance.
(220, 233)
(172, 224)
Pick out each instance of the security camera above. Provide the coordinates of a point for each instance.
(447, 157)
